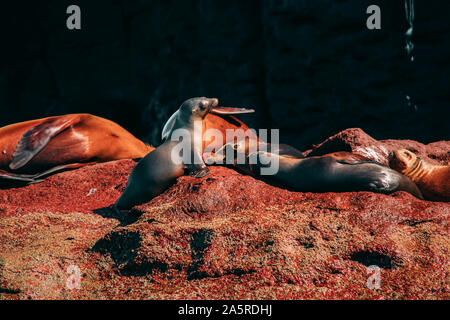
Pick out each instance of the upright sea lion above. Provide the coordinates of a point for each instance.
(33, 149)
(160, 168)
(220, 119)
(217, 118)
(325, 173)
(433, 180)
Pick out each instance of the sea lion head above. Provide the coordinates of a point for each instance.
(403, 161)
(198, 108)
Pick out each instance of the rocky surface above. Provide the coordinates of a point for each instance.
(224, 236)
(357, 141)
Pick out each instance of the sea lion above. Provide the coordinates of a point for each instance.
(160, 168)
(326, 173)
(243, 147)
(217, 118)
(34, 149)
(220, 119)
(433, 180)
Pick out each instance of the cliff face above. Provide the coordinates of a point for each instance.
(224, 236)
(309, 68)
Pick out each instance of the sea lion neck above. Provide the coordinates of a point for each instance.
(415, 170)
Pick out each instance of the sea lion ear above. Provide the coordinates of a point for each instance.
(168, 126)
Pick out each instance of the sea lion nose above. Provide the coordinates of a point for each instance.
(214, 102)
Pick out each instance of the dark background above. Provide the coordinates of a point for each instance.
(309, 68)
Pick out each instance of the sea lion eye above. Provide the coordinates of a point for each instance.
(407, 154)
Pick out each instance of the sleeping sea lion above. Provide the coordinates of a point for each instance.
(34, 149)
(326, 173)
(433, 180)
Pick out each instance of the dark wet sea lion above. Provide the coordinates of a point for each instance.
(327, 174)
(337, 172)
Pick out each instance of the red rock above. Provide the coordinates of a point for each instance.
(357, 141)
(224, 236)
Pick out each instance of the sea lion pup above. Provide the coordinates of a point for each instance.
(34, 149)
(160, 168)
(220, 119)
(323, 173)
(433, 180)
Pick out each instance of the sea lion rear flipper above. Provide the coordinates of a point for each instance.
(4, 175)
(64, 167)
(197, 171)
(227, 110)
(39, 177)
(35, 139)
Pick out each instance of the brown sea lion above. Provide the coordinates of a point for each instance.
(337, 172)
(34, 149)
(433, 180)
(160, 168)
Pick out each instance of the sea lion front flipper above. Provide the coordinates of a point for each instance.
(375, 177)
(348, 157)
(197, 171)
(35, 139)
(356, 161)
(227, 110)
(168, 126)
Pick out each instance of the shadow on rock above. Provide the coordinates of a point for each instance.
(369, 258)
(125, 218)
(123, 248)
(201, 240)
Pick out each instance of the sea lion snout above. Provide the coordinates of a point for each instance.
(199, 106)
(393, 159)
(204, 106)
(401, 159)
(214, 102)
(208, 104)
